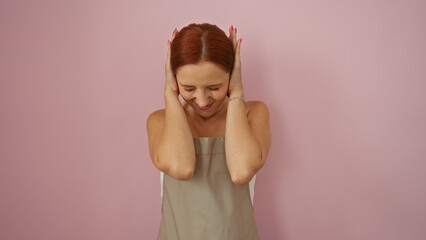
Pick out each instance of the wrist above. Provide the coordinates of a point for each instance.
(237, 94)
(169, 94)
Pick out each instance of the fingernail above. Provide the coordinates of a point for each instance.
(241, 40)
(232, 27)
(168, 42)
(235, 30)
(174, 32)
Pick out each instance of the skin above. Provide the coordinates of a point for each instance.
(203, 84)
(198, 79)
(245, 125)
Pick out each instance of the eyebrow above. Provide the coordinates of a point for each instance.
(207, 86)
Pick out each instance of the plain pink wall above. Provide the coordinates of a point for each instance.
(345, 82)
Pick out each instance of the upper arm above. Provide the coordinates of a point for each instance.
(154, 125)
(164, 163)
(258, 118)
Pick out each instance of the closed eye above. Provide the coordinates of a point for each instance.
(213, 89)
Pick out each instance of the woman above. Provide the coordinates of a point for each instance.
(205, 188)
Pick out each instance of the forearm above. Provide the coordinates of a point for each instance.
(242, 149)
(176, 145)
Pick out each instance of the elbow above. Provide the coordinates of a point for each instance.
(176, 169)
(181, 173)
(185, 175)
(241, 178)
(239, 181)
(245, 174)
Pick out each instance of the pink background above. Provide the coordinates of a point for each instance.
(345, 82)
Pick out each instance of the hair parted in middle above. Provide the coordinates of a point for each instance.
(197, 43)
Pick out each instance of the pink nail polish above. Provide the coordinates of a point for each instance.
(235, 30)
(232, 27)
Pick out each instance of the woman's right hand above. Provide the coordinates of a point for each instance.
(171, 85)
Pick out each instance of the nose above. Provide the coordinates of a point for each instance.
(202, 103)
(202, 100)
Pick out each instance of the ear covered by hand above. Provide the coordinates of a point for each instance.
(171, 85)
(235, 86)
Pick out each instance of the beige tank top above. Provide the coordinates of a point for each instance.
(209, 206)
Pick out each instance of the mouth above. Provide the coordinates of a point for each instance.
(204, 108)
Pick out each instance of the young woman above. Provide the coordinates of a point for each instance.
(207, 181)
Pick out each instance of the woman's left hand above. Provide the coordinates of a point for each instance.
(235, 87)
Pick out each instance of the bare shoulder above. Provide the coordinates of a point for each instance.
(156, 114)
(155, 120)
(257, 109)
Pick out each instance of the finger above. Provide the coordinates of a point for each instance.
(168, 55)
(237, 62)
(239, 47)
(235, 39)
(232, 37)
(169, 46)
(174, 33)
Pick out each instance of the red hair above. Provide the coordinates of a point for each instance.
(196, 43)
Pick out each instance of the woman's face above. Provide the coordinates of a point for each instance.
(203, 84)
